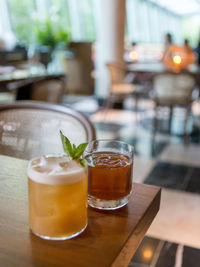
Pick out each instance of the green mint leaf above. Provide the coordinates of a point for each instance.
(63, 141)
(83, 162)
(79, 150)
(73, 151)
(66, 145)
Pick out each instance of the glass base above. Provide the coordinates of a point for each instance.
(59, 238)
(103, 204)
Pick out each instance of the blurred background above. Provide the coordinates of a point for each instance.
(46, 31)
(133, 67)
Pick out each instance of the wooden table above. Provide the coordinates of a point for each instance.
(146, 67)
(110, 239)
(20, 75)
(22, 81)
(156, 67)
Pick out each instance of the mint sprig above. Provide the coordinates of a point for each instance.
(72, 151)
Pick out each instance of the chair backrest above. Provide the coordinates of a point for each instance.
(173, 85)
(29, 128)
(117, 72)
(79, 66)
(49, 91)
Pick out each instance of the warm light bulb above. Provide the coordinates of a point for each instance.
(147, 253)
(133, 55)
(177, 59)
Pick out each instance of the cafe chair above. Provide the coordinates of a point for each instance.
(173, 89)
(121, 86)
(48, 91)
(29, 128)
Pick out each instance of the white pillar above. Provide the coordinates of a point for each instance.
(110, 26)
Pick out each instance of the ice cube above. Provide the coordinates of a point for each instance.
(64, 164)
(43, 161)
(41, 165)
(56, 169)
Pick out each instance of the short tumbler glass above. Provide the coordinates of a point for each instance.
(57, 197)
(110, 165)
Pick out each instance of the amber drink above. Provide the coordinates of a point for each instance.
(58, 188)
(110, 165)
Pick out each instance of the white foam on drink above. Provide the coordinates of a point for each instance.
(55, 170)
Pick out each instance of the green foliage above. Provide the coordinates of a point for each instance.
(44, 34)
(47, 35)
(21, 20)
(53, 32)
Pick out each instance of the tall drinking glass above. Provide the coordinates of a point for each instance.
(110, 165)
(58, 188)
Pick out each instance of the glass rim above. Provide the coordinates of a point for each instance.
(110, 140)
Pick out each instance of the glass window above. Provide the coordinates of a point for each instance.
(146, 20)
(88, 19)
(22, 16)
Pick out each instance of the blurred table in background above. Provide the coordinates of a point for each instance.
(156, 67)
(144, 71)
(146, 67)
(22, 80)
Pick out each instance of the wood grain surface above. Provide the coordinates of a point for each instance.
(110, 239)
